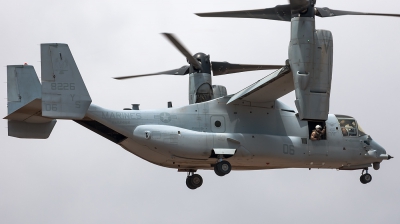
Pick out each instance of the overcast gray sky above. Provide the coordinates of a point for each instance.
(76, 176)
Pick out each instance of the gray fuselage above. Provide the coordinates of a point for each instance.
(265, 137)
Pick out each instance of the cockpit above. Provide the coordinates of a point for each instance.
(349, 126)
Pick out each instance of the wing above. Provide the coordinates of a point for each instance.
(270, 88)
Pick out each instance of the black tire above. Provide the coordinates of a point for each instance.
(196, 180)
(189, 183)
(362, 179)
(366, 178)
(224, 167)
(217, 171)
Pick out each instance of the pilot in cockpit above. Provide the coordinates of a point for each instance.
(317, 133)
(348, 127)
(342, 126)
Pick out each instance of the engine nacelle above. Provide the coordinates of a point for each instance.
(200, 88)
(310, 58)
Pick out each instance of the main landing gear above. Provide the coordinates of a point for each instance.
(222, 168)
(193, 181)
(365, 177)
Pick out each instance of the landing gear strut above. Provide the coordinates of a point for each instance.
(365, 177)
(193, 181)
(222, 168)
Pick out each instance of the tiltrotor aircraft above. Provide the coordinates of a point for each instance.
(249, 130)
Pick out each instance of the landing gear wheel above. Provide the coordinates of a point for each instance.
(222, 168)
(194, 181)
(189, 183)
(217, 171)
(366, 178)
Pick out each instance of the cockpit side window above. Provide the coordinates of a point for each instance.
(349, 126)
(361, 132)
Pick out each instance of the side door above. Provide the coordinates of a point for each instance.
(317, 148)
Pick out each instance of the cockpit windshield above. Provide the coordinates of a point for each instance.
(349, 126)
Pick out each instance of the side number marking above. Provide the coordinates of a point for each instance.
(288, 149)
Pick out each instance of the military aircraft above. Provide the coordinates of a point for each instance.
(248, 130)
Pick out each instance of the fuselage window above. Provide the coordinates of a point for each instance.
(360, 130)
(349, 127)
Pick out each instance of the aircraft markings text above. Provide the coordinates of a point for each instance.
(62, 86)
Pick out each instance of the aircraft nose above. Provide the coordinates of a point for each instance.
(380, 153)
(379, 149)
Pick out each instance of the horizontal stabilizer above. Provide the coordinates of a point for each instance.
(20, 129)
(64, 94)
(270, 88)
(31, 113)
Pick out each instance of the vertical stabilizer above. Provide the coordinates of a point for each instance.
(24, 104)
(64, 94)
(23, 86)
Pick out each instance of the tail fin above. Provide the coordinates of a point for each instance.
(24, 104)
(32, 106)
(23, 86)
(64, 94)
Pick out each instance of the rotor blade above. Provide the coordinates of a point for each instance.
(327, 12)
(182, 49)
(279, 12)
(222, 68)
(299, 5)
(179, 71)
